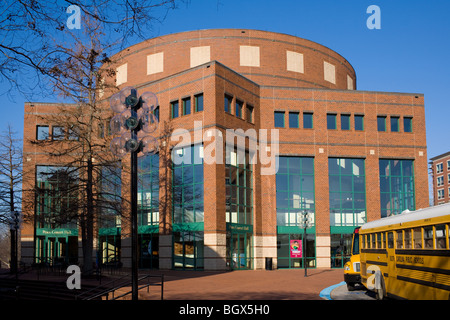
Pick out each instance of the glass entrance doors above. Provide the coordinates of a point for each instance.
(239, 254)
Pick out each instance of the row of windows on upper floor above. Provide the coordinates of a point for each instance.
(249, 56)
(440, 180)
(358, 121)
(441, 193)
(440, 167)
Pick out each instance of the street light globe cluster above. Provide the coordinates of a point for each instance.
(134, 122)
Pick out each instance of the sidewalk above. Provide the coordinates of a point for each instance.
(283, 284)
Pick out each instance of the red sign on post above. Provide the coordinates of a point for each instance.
(296, 248)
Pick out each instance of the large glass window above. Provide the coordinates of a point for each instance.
(42, 132)
(284, 256)
(56, 197)
(148, 190)
(187, 185)
(109, 199)
(239, 187)
(396, 186)
(347, 188)
(295, 190)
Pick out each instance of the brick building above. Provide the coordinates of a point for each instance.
(440, 172)
(344, 156)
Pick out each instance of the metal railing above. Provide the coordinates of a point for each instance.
(122, 284)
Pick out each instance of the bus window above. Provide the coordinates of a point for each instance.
(373, 241)
(390, 240)
(384, 240)
(440, 236)
(400, 239)
(408, 244)
(368, 241)
(428, 237)
(363, 241)
(417, 236)
(379, 240)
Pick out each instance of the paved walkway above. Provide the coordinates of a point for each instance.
(284, 284)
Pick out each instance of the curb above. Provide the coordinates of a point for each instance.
(326, 293)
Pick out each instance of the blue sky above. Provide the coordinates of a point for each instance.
(410, 53)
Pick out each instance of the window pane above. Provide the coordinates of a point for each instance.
(394, 124)
(199, 102)
(279, 119)
(331, 121)
(249, 113)
(227, 103)
(42, 132)
(407, 124)
(381, 123)
(239, 105)
(307, 120)
(293, 120)
(186, 106)
(359, 123)
(345, 122)
(174, 109)
(58, 132)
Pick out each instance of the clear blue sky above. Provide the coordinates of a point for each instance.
(409, 54)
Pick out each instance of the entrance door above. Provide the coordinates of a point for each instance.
(240, 251)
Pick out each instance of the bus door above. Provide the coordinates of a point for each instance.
(391, 269)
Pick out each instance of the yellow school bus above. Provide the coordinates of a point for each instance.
(407, 256)
(352, 275)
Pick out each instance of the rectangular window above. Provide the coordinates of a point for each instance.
(395, 124)
(42, 132)
(307, 120)
(448, 165)
(428, 237)
(249, 113)
(293, 119)
(198, 100)
(417, 238)
(238, 186)
(381, 123)
(440, 194)
(408, 243)
(407, 124)
(347, 191)
(279, 119)
(227, 103)
(58, 133)
(238, 110)
(396, 186)
(331, 121)
(440, 181)
(187, 185)
(390, 240)
(439, 168)
(345, 122)
(174, 109)
(186, 106)
(295, 190)
(441, 236)
(400, 239)
(148, 190)
(359, 122)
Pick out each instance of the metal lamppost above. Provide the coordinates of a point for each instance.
(134, 122)
(306, 223)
